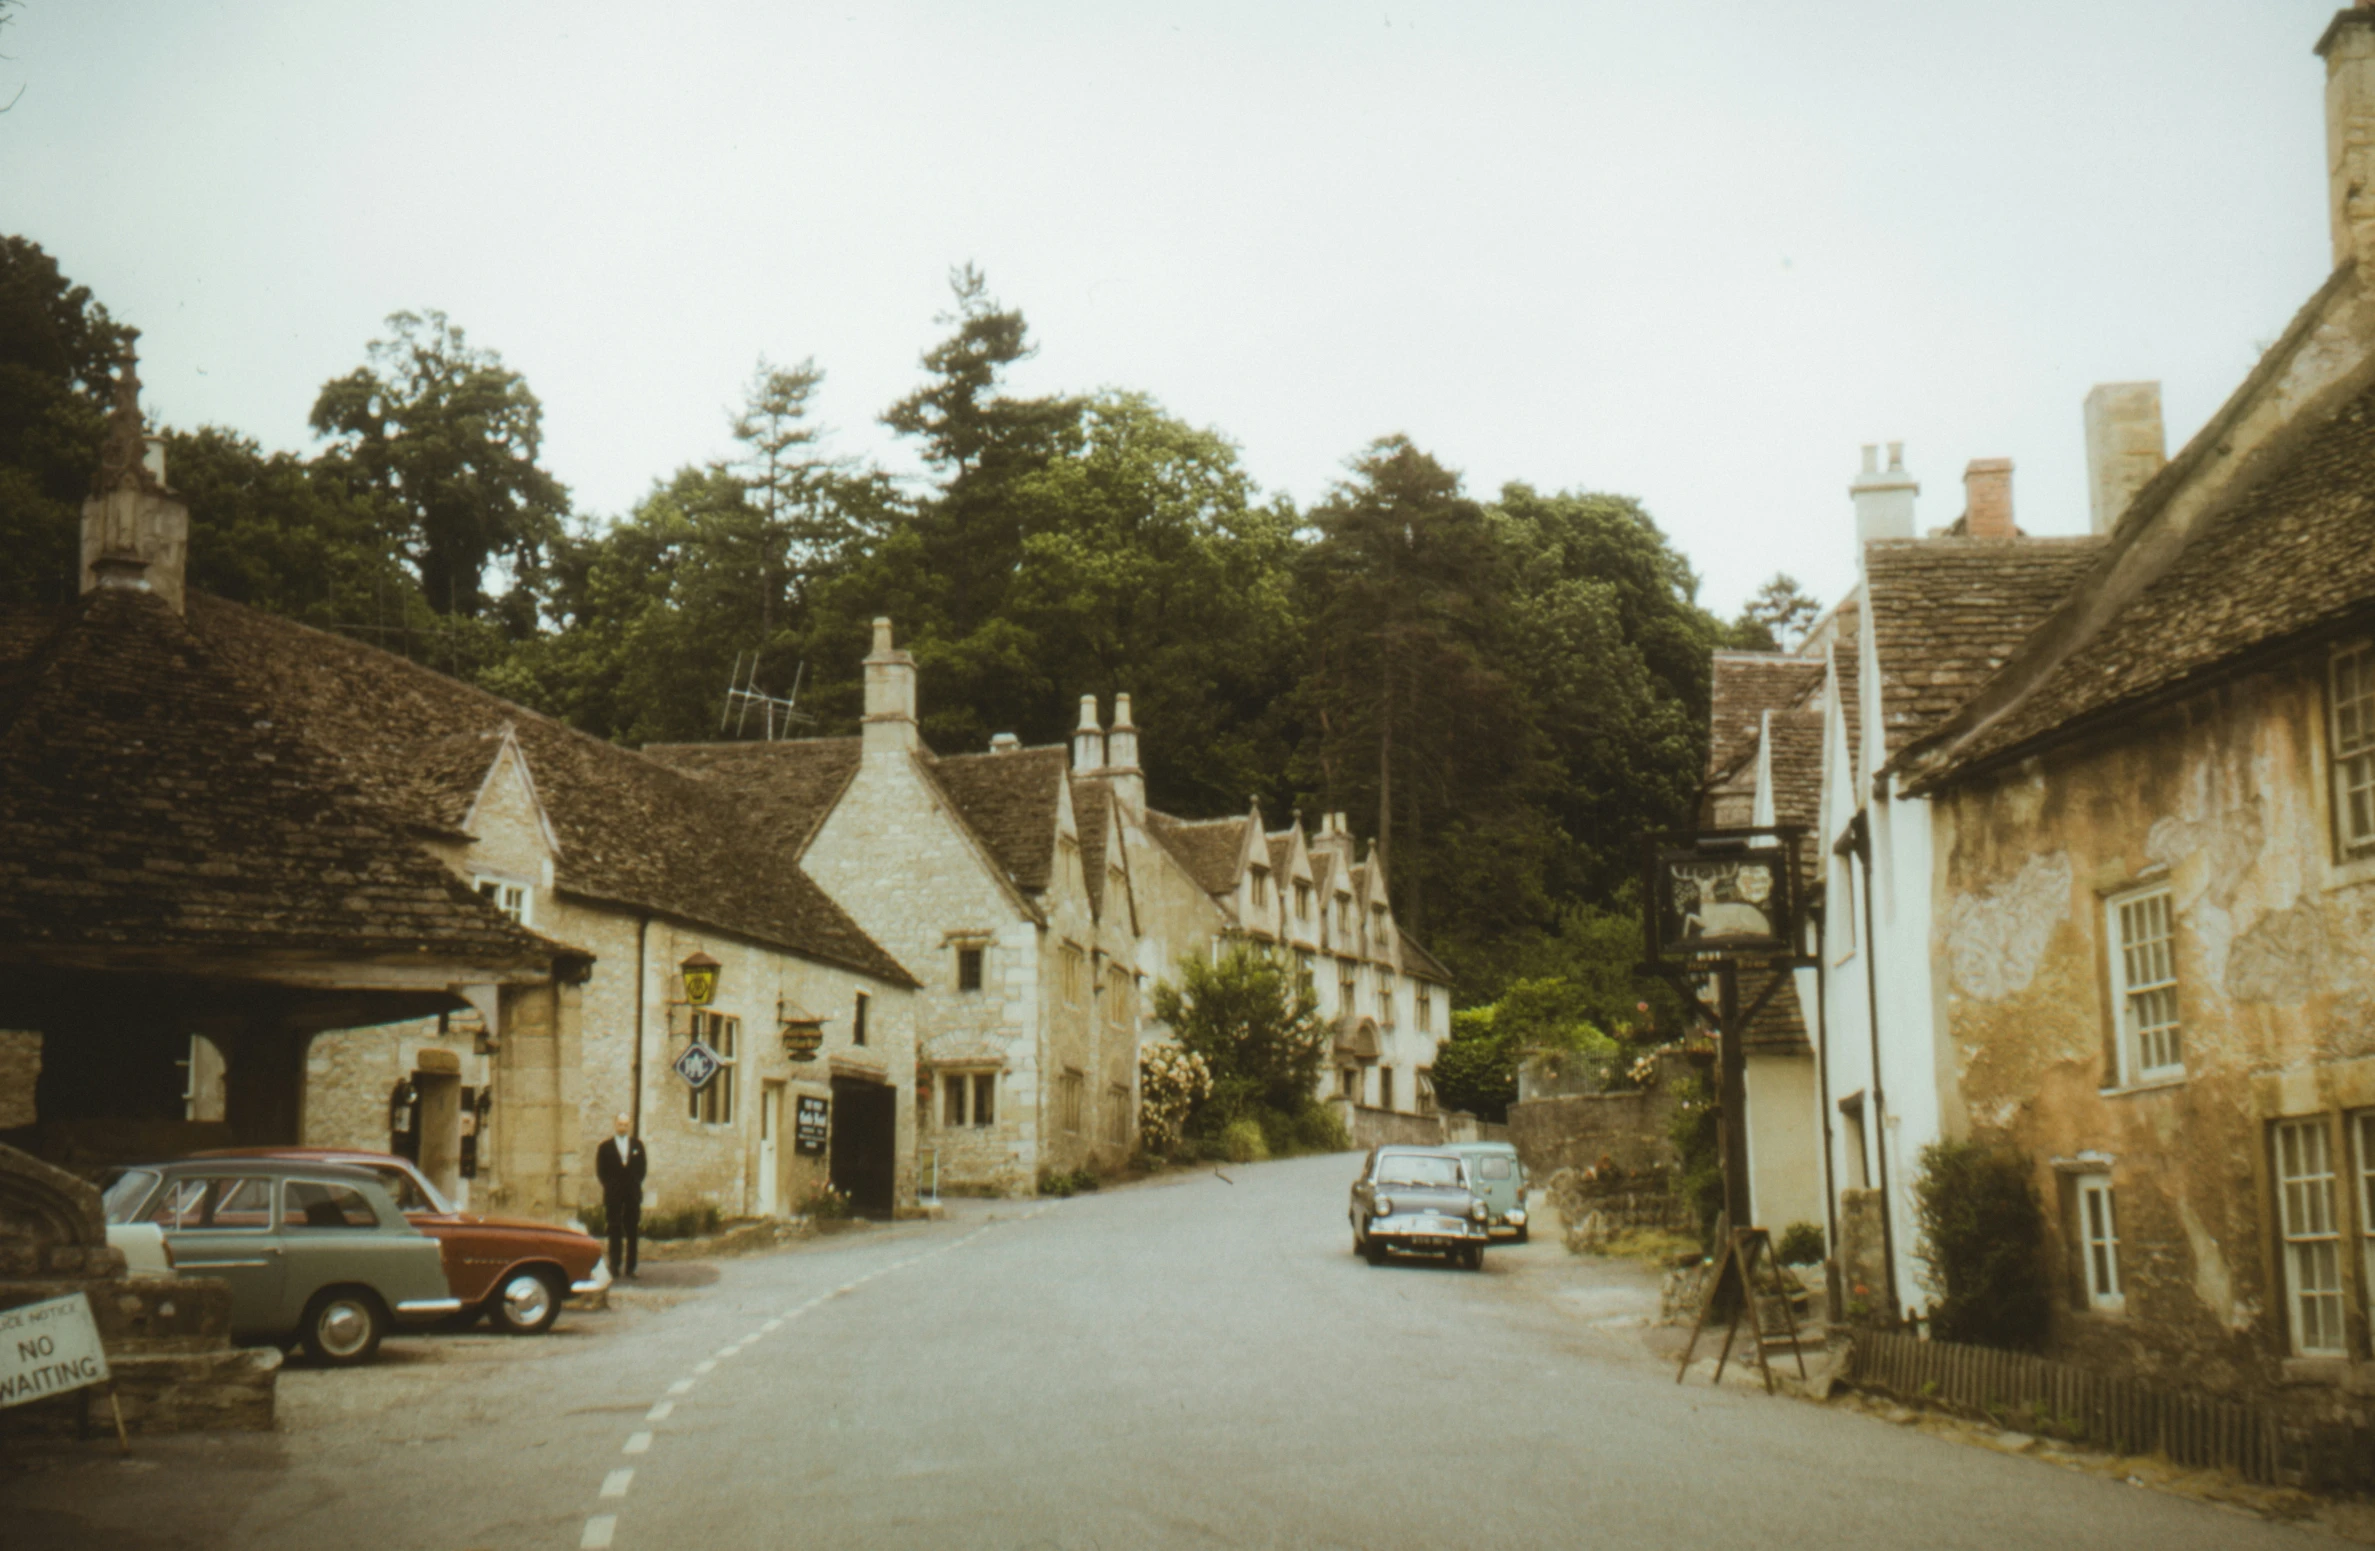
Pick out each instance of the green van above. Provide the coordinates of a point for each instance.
(1498, 1175)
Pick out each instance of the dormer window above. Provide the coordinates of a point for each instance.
(1302, 900)
(1343, 915)
(509, 897)
(1261, 887)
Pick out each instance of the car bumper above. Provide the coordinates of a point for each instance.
(1431, 1237)
(1515, 1222)
(594, 1281)
(415, 1311)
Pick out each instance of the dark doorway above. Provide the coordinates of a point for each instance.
(864, 1150)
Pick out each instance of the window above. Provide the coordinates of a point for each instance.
(1302, 900)
(857, 1019)
(1117, 1115)
(506, 896)
(1425, 996)
(1076, 975)
(1377, 921)
(2098, 1243)
(1352, 1083)
(968, 969)
(1343, 915)
(2312, 1236)
(306, 1203)
(1385, 1087)
(985, 1098)
(1347, 986)
(957, 1088)
(2353, 683)
(2144, 985)
(1070, 1089)
(1306, 978)
(196, 1201)
(2363, 1126)
(1385, 1000)
(1118, 986)
(1261, 888)
(713, 1102)
(1426, 1091)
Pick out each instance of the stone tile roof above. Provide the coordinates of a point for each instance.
(1945, 614)
(2292, 556)
(786, 787)
(1779, 1026)
(1797, 767)
(1745, 686)
(1092, 814)
(1207, 848)
(1010, 802)
(1847, 665)
(633, 832)
(1282, 850)
(1418, 961)
(152, 802)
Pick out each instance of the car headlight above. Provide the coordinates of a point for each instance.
(1478, 1211)
(1384, 1206)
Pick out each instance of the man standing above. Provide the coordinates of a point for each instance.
(620, 1166)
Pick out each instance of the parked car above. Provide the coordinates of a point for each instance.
(1418, 1199)
(312, 1252)
(514, 1270)
(1496, 1173)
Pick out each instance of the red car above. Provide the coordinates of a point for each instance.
(514, 1270)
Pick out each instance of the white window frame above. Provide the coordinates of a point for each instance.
(2144, 1001)
(713, 1103)
(2362, 1133)
(2098, 1244)
(2350, 724)
(1071, 1098)
(514, 898)
(2311, 1229)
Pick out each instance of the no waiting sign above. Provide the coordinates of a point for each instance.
(48, 1349)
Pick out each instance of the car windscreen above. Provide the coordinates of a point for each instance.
(124, 1195)
(1418, 1169)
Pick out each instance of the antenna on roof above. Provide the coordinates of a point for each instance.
(743, 696)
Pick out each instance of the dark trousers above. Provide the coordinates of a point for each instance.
(625, 1219)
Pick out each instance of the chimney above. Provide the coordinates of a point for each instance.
(1334, 838)
(1987, 499)
(1005, 743)
(2348, 48)
(135, 530)
(1088, 739)
(1883, 498)
(2125, 446)
(890, 697)
(1121, 758)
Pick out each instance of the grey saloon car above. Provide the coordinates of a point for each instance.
(1418, 1199)
(315, 1253)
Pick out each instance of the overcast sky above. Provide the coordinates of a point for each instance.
(1695, 252)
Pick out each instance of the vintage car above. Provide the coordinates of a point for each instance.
(1496, 1173)
(514, 1270)
(1418, 1199)
(312, 1252)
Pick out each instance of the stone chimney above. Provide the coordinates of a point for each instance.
(1987, 499)
(1335, 839)
(135, 530)
(1088, 740)
(1005, 743)
(1883, 498)
(2348, 48)
(1121, 758)
(890, 697)
(2125, 446)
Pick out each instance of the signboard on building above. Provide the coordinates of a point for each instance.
(1714, 899)
(698, 1066)
(810, 1123)
(49, 1348)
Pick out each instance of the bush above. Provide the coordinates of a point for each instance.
(1983, 1238)
(596, 1220)
(1317, 1129)
(1696, 1135)
(1173, 1084)
(823, 1201)
(1801, 1245)
(1241, 1141)
(1067, 1182)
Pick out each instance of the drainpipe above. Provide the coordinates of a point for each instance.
(642, 992)
(1888, 1214)
(1822, 1102)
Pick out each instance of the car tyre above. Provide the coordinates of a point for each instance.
(1523, 1230)
(343, 1326)
(525, 1303)
(1373, 1252)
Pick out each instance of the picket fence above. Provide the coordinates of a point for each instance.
(2035, 1394)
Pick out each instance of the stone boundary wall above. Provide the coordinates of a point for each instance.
(1388, 1127)
(1576, 1133)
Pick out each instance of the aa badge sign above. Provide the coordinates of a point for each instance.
(49, 1348)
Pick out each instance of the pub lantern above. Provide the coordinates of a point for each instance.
(699, 974)
(803, 1031)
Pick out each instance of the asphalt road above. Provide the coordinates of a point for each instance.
(1191, 1363)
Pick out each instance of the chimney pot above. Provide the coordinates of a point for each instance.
(1088, 739)
(1004, 743)
(1883, 500)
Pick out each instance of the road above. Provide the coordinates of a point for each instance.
(1192, 1363)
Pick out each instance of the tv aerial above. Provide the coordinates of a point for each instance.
(776, 714)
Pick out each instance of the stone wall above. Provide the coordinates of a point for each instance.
(20, 1068)
(1385, 1127)
(1629, 1128)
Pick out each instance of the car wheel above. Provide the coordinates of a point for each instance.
(525, 1303)
(1522, 1231)
(343, 1326)
(1475, 1257)
(1373, 1252)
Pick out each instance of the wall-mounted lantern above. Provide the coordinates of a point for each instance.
(699, 974)
(803, 1031)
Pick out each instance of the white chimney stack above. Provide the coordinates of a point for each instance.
(1121, 758)
(2125, 446)
(1883, 498)
(1088, 739)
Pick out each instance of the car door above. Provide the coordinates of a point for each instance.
(220, 1225)
(331, 1235)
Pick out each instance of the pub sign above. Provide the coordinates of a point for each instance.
(1724, 899)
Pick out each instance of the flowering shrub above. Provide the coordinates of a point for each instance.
(823, 1200)
(1171, 1082)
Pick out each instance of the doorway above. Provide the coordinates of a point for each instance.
(770, 1148)
(864, 1147)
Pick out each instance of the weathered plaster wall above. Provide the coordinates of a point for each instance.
(2225, 799)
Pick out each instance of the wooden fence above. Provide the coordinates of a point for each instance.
(2034, 1394)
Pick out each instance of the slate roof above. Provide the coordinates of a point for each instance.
(786, 787)
(1779, 1025)
(1207, 848)
(1010, 801)
(151, 800)
(1947, 613)
(1745, 686)
(1418, 961)
(633, 832)
(2293, 556)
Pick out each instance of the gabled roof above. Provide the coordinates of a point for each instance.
(1418, 961)
(1847, 673)
(1281, 851)
(1745, 685)
(2294, 555)
(787, 787)
(1210, 849)
(1945, 614)
(633, 832)
(1092, 815)
(1010, 801)
(152, 801)
(1796, 765)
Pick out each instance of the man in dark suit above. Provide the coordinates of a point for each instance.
(620, 1165)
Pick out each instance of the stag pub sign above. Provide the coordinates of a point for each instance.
(1730, 900)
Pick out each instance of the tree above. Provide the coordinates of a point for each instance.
(1776, 619)
(57, 348)
(1476, 1069)
(1255, 1026)
(450, 437)
(280, 534)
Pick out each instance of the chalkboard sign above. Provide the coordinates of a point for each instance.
(809, 1124)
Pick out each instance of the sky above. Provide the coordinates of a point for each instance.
(1695, 252)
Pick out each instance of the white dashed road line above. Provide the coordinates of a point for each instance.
(599, 1530)
(615, 1484)
(637, 1443)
